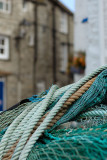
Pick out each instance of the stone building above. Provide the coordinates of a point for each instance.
(36, 38)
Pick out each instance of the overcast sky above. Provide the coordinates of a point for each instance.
(69, 3)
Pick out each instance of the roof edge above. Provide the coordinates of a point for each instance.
(56, 2)
(62, 6)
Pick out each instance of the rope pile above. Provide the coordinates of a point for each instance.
(32, 128)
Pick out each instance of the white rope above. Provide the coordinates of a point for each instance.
(36, 117)
(53, 112)
(10, 130)
(19, 122)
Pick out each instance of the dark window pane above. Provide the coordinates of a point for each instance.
(24, 4)
(2, 41)
(1, 51)
(1, 5)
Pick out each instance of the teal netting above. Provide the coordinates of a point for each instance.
(88, 115)
(96, 94)
(78, 144)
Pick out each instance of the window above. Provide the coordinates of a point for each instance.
(31, 40)
(24, 5)
(5, 6)
(64, 23)
(4, 47)
(63, 57)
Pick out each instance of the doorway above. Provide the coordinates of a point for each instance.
(2, 94)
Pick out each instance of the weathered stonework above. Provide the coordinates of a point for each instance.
(26, 75)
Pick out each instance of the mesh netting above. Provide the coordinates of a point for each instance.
(86, 138)
(96, 94)
(72, 144)
(7, 117)
(94, 116)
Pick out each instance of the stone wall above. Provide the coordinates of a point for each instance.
(27, 77)
(19, 64)
(44, 65)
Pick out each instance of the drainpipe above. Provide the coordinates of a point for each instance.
(35, 46)
(70, 77)
(18, 39)
(54, 44)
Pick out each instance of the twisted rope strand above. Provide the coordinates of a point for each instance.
(99, 112)
(33, 122)
(47, 121)
(68, 91)
(57, 117)
(11, 128)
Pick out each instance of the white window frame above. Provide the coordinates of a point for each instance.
(64, 23)
(2, 79)
(64, 58)
(6, 2)
(5, 47)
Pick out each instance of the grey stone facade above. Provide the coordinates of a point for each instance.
(31, 66)
(44, 66)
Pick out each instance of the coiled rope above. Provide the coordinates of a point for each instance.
(18, 136)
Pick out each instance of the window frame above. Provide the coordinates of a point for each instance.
(5, 47)
(63, 57)
(64, 22)
(5, 2)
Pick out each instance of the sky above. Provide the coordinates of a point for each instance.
(69, 3)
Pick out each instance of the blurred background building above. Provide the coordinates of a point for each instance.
(91, 32)
(36, 39)
(80, 31)
(97, 35)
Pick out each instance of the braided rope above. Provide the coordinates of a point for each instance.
(57, 117)
(47, 120)
(99, 112)
(33, 122)
(53, 112)
(21, 127)
(11, 128)
(33, 113)
(71, 100)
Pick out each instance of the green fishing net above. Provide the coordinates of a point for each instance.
(84, 127)
(7, 117)
(74, 144)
